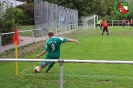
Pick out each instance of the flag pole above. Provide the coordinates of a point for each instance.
(16, 41)
(16, 55)
(16, 51)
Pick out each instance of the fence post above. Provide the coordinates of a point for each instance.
(61, 73)
(32, 35)
(0, 44)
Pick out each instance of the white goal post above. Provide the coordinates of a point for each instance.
(118, 22)
(89, 21)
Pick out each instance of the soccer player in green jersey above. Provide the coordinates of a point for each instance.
(52, 48)
(98, 23)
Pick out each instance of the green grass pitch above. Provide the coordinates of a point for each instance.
(92, 46)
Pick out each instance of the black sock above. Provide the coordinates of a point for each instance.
(107, 34)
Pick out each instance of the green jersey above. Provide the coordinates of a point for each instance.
(53, 47)
(98, 22)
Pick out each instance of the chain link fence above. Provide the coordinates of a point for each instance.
(49, 16)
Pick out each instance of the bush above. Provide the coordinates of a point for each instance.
(28, 13)
(11, 18)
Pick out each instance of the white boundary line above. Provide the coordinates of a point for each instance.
(87, 33)
(90, 32)
(27, 69)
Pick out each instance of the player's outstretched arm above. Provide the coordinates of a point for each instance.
(72, 40)
(43, 52)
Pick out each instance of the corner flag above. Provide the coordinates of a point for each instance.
(16, 37)
(16, 41)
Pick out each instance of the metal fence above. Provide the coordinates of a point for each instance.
(49, 15)
(119, 22)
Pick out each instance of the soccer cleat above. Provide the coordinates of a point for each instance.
(102, 34)
(46, 72)
(43, 66)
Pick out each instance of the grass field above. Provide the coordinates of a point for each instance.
(92, 46)
(25, 28)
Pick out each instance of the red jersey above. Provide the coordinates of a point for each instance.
(105, 25)
(123, 21)
(131, 22)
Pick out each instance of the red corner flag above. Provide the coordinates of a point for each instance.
(16, 37)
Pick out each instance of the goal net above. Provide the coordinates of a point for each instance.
(118, 22)
(89, 21)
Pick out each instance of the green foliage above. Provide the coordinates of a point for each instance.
(11, 17)
(29, 1)
(18, 15)
(1, 25)
(28, 18)
(8, 23)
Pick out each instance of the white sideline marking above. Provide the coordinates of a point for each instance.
(27, 69)
(89, 33)
(90, 76)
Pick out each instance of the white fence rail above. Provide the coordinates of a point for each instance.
(66, 61)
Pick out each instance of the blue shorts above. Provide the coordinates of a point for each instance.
(123, 24)
(131, 24)
(105, 29)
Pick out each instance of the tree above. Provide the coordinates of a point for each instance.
(29, 1)
(11, 17)
(28, 13)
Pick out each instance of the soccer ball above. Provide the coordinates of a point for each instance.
(37, 69)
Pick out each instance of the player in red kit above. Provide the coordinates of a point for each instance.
(123, 23)
(105, 27)
(131, 24)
